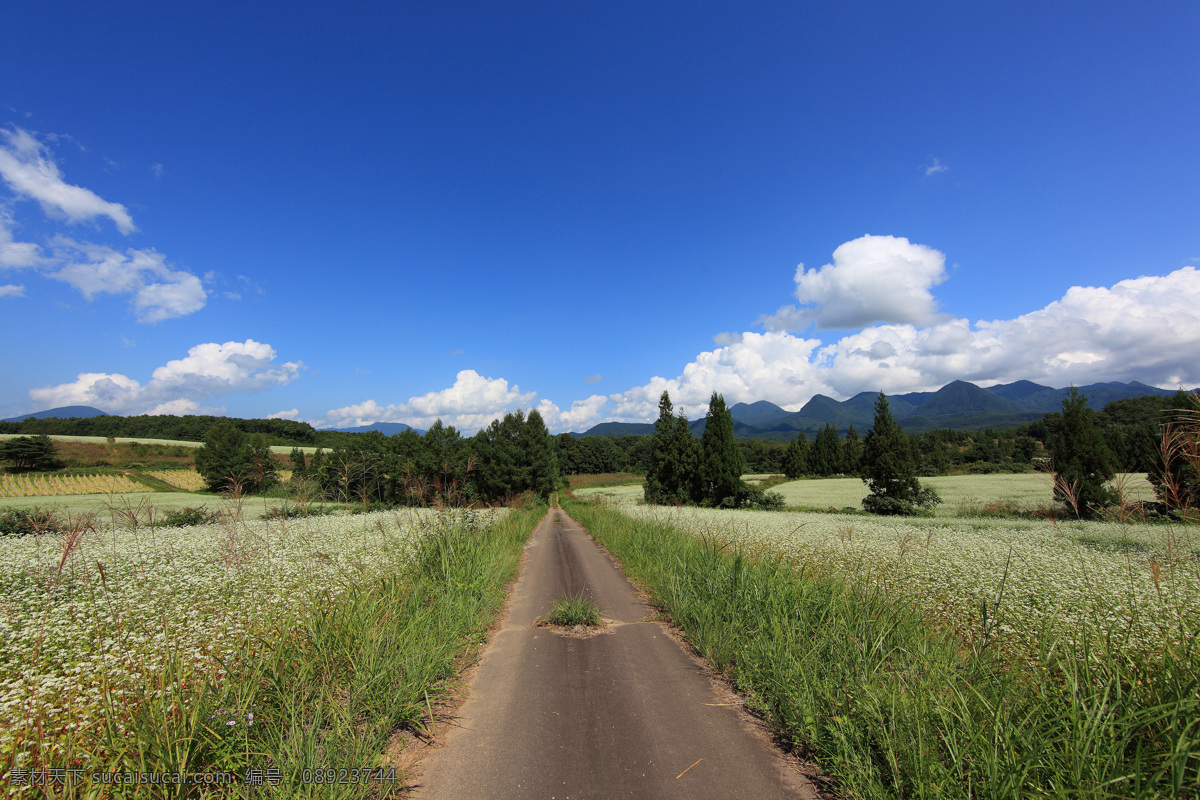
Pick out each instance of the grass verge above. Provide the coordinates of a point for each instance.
(316, 710)
(893, 707)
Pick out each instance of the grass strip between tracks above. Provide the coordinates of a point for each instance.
(892, 707)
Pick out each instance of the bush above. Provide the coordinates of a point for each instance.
(15, 522)
(752, 497)
(189, 516)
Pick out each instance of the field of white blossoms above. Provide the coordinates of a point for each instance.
(1138, 583)
(90, 619)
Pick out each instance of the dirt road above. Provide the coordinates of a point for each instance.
(626, 713)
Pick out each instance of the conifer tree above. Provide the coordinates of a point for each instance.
(851, 452)
(1082, 461)
(889, 468)
(298, 462)
(722, 463)
(826, 456)
(795, 457)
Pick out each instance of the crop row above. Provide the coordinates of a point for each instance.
(52, 485)
(186, 479)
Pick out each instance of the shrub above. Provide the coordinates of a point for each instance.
(189, 516)
(15, 522)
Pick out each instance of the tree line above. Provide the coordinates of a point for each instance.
(510, 457)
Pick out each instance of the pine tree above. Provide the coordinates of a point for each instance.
(795, 458)
(826, 456)
(722, 463)
(298, 462)
(1082, 461)
(889, 468)
(659, 475)
(538, 452)
(851, 452)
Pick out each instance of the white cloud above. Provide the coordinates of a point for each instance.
(12, 290)
(157, 170)
(872, 279)
(14, 254)
(935, 168)
(291, 413)
(159, 292)
(470, 404)
(29, 170)
(727, 338)
(582, 414)
(594, 378)
(1145, 329)
(207, 370)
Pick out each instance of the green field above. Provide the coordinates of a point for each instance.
(960, 493)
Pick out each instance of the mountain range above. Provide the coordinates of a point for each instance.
(958, 406)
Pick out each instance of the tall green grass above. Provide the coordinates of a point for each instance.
(893, 706)
(328, 696)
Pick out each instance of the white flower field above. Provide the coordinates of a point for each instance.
(1136, 583)
(103, 611)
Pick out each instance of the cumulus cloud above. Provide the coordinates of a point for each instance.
(12, 290)
(208, 369)
(1145, 329)
(470, 404)
(872, 279)
(159, 291)
(29, 170)
(594, 378)
(582, 414)
(291, 413)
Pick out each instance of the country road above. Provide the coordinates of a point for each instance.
(625, 713)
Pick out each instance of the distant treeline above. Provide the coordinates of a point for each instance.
(185, 429)
(1130, 428)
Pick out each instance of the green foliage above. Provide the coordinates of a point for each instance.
(15, 522)
(825, 458)
(795, 459)
(573, 610)
(721, 462)
(1081, 460)
(29, 454)
(674, 456)
(851, 452)
(230, 460)
(298, 462)
(1176, 471)
(889, 468)
(187, 517)
(515, 455)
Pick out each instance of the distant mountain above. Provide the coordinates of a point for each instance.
(386, 428)
(959, 405)
(619, 429)
(762, 414)
(64, 412)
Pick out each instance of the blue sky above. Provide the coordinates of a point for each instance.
(398, 211)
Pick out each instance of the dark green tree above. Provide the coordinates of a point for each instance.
(29, 454)
(826, 455)
(889, 468)
(1081, 460)
(538, 453)
(299, 463)
(851, 452)
(229, 460)
(671, 476)
(795, 458)
(721, 462)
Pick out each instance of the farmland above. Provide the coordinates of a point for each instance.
(55, 484)
(107, 629)
(961, 494)
(1045, 657)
